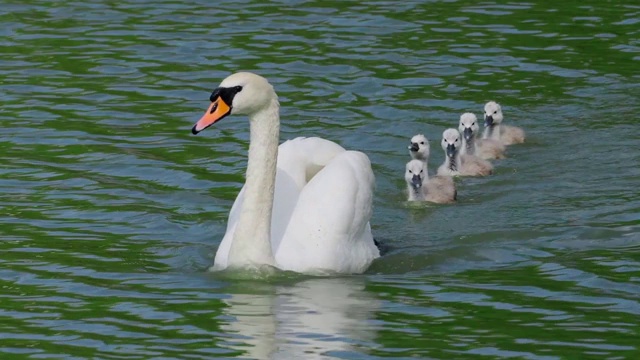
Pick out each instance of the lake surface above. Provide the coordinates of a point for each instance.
(111, 211)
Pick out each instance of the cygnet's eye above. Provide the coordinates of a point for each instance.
(473, 123)
(421, 171)
(410, 172)
(495, 112)
(421, 142)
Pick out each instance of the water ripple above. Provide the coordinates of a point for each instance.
(111, 210)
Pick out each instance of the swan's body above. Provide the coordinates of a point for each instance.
(305, 205)
(494, 129)
(472, 145)
(419, 148)
(456, 164)
(438, 189)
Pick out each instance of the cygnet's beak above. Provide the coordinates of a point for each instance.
(416, 181)
(451, 150)
(216, 112)
(467, 134)
(488, 120)
(414, 147)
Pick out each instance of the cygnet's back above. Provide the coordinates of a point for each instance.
(474, 166)
(472, 144)
(494, 129)
(440, 190)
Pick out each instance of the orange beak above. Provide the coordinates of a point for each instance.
(216, 111)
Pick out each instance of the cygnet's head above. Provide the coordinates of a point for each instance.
(242, 93)
(492, 113)
(468, 125)
(451, 142)
(415, 172)
(419, 148)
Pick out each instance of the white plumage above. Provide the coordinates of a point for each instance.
(305, 205)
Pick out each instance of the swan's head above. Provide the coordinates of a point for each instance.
(451, 142)
(415, 172)
(468, 125)
(419, 148)
(242, 93)
(492, 114)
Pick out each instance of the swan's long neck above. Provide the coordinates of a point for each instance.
(468, 147)
(454, 163)
(492, 132)
(251, 244)
(415, 194)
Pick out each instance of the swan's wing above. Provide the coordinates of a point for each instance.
(298, 159)
(329, 228)
(302, 157)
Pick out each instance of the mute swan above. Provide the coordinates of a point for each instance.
(493, 128)
(421, 187)
(305, 205)
(482, 148)
(456, 164)
(419, 148)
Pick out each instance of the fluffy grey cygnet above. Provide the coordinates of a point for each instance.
(456, 164)
(494, 129)
(483, 148)
(421, 187)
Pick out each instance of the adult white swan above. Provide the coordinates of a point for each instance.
(305, 205)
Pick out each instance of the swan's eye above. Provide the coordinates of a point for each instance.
(237, 89)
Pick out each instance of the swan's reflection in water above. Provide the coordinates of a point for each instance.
(303, 320)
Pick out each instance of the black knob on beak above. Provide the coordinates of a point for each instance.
(451, 150)
(488, 120)
(467, 134)
(416, 181)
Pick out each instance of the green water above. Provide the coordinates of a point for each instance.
(111, 211)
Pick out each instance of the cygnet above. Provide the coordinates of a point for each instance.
(419, 148)
(421, 187)
(471, 144)
(494, 129)
(456, 164)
